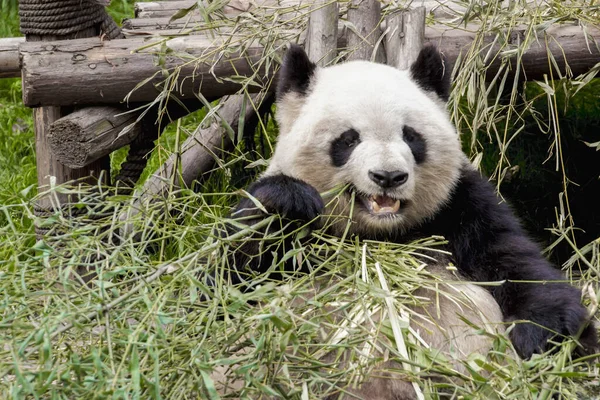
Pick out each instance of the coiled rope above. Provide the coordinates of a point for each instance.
(65, 17)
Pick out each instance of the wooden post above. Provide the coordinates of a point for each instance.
(405, 37)
(49, 169)
(364, 44)
(321, 39)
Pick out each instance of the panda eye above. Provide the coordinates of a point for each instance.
(351, 142)
(343, 146)
(350, 138)
(416, 142)
(409, 134)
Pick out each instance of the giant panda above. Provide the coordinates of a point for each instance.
(386, 136)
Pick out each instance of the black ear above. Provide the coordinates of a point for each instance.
(431, 73)
(295, 73)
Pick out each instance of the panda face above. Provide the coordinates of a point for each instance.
(373, 128)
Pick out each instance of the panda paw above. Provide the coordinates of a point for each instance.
(556, 314)
(283, 195)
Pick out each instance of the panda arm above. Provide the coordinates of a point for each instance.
(490, 245)
(284, 195)
(280, 194)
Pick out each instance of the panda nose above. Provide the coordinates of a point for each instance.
(388, 179)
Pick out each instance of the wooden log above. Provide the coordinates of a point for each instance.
(363, 41)
(158, 9)
(86, 135)
(405, 37)
(321, 39)
(91, 71)
(200, 151)
(50, 171)
(198, 154)
(566, 43)
(160, 13)
(163, 23)
(161, 9)
(10, 65)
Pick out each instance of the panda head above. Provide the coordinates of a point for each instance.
(382, 132)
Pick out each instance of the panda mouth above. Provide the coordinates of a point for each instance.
(381, 204)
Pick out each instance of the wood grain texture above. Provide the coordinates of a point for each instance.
(92, 71)
(363, 40)
(405, 37)
(86, 135)
(10, 65)
(161, 9)
(49, 170)
(321, 38)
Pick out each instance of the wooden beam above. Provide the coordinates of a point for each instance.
(163, 23)
(157, 9)
(162, 9)
(86, 135)
(567, 43)
(10, 65)
(91, 71)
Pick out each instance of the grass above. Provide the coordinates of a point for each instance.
(146, 324)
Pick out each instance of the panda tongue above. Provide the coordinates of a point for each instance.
(384, 204)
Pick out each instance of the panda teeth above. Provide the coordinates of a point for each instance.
(385, 209)
(374, 206)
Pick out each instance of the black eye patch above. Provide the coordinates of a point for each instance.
(416, 142)
(343, 146)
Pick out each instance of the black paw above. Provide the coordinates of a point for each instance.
(283, 195)
(556, 313)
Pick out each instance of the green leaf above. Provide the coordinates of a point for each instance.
(209, 386)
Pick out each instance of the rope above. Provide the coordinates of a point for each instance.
(137, 157)
(65, 17)
(140, 148)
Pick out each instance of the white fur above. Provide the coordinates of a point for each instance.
(377, 101)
